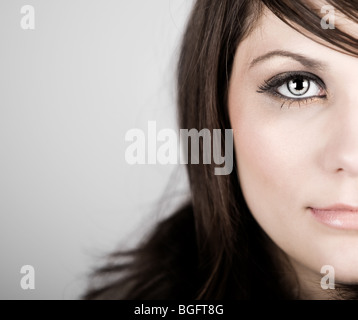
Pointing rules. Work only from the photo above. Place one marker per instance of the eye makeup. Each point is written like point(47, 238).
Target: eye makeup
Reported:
point(294, 87)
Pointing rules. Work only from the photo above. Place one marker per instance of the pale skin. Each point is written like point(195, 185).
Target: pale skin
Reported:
point(295, 155)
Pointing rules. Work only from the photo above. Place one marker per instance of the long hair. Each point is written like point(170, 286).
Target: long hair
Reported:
point(212, 248)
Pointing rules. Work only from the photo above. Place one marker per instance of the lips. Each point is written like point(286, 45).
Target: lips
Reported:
point(339, 216)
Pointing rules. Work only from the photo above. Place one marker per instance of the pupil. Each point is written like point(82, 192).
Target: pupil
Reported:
point(298, 84)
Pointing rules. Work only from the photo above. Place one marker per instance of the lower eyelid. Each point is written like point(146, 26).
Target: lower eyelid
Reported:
point(300, 101)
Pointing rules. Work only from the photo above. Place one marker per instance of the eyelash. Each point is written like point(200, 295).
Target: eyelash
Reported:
point(270, 86)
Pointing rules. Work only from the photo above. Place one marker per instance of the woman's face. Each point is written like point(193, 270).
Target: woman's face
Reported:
point(293, 106)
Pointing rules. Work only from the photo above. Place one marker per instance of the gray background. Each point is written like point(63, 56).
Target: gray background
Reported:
point(70, 90)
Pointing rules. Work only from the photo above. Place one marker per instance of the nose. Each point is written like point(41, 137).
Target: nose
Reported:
point(340, 153)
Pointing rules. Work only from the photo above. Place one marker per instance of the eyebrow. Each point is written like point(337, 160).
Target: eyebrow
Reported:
point(307, 62)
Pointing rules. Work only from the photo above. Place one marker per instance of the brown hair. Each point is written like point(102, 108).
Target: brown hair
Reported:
point(212, 248)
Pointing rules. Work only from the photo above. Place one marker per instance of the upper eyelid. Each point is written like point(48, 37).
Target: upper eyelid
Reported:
point(285, 76)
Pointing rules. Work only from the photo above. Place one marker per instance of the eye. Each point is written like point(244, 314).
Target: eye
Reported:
point(294, 86)
point(299, 87)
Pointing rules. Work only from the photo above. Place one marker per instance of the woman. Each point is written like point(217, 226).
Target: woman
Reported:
point(281, 74)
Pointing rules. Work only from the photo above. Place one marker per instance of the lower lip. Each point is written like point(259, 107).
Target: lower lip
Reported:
point(339, 219)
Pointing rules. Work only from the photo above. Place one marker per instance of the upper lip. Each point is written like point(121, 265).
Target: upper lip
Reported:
point(337, 207)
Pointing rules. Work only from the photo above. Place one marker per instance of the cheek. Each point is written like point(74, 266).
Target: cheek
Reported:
point(264, 158)
point(272, 168)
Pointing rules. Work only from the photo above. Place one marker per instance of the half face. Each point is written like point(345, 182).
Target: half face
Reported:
point(293, 106)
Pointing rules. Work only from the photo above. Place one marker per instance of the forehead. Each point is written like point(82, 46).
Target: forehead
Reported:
point(271, 33)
